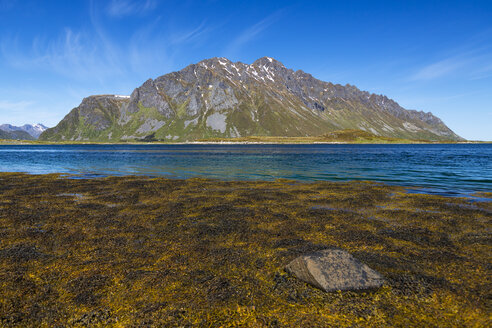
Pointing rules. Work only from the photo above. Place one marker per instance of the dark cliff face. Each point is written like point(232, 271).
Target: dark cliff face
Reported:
point(219, 98)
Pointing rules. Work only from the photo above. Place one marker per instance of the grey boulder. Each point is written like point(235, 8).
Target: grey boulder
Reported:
point(334, 269)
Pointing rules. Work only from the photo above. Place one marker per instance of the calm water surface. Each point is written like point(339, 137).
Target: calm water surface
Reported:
point(443, 169)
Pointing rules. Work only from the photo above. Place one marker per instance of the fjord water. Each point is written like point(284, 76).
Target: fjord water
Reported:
point(451, 169)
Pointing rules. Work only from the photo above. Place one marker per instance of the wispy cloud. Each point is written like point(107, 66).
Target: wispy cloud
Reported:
point(92, 53)
point(440, 68)
point(121, 8)
point(73, 54)
point(149, 51)
point(191, 35)
point(8, 106)
point(251, 33)
point(438, 98)
point(483, 72)
point(22, 112)
point(471, 61)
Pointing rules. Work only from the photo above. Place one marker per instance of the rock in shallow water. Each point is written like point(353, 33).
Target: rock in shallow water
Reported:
point(334, 269)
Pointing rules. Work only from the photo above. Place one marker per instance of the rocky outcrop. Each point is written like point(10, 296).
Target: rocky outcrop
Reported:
point(334, 269)
point(220, 98)
point(94, 116)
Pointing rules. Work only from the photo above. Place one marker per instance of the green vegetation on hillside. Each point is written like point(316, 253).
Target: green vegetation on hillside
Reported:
point(153, 252)
point(342, 136)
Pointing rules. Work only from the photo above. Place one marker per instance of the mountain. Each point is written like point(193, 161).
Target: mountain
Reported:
point(15, 135)
point(33, 130)
point(217, 98)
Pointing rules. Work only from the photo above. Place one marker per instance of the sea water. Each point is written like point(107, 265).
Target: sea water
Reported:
point(450, 169)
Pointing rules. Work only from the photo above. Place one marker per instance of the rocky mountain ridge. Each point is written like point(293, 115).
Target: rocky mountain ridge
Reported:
point(220, 98)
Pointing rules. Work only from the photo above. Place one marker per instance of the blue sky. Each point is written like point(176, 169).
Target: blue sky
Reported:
point(428, 55)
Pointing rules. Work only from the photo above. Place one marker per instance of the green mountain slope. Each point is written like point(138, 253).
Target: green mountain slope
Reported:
point(217, 98)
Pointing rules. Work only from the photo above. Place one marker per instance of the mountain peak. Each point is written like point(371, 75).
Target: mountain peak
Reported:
point(268, 62)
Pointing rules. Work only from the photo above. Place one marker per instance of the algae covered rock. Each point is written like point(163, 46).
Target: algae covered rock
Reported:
point(334, 269)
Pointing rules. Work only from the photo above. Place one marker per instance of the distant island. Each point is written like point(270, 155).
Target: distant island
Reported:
point(217, 99)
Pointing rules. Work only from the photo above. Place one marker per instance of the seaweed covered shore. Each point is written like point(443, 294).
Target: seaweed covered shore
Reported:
point(153, 252)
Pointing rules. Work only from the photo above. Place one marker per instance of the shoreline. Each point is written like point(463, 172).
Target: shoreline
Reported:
point(470, 195)
point(18, 142)
point(252, 141)
point(132, 250)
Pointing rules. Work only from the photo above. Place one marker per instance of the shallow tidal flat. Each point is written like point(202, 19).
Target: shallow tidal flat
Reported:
point(137, 252)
